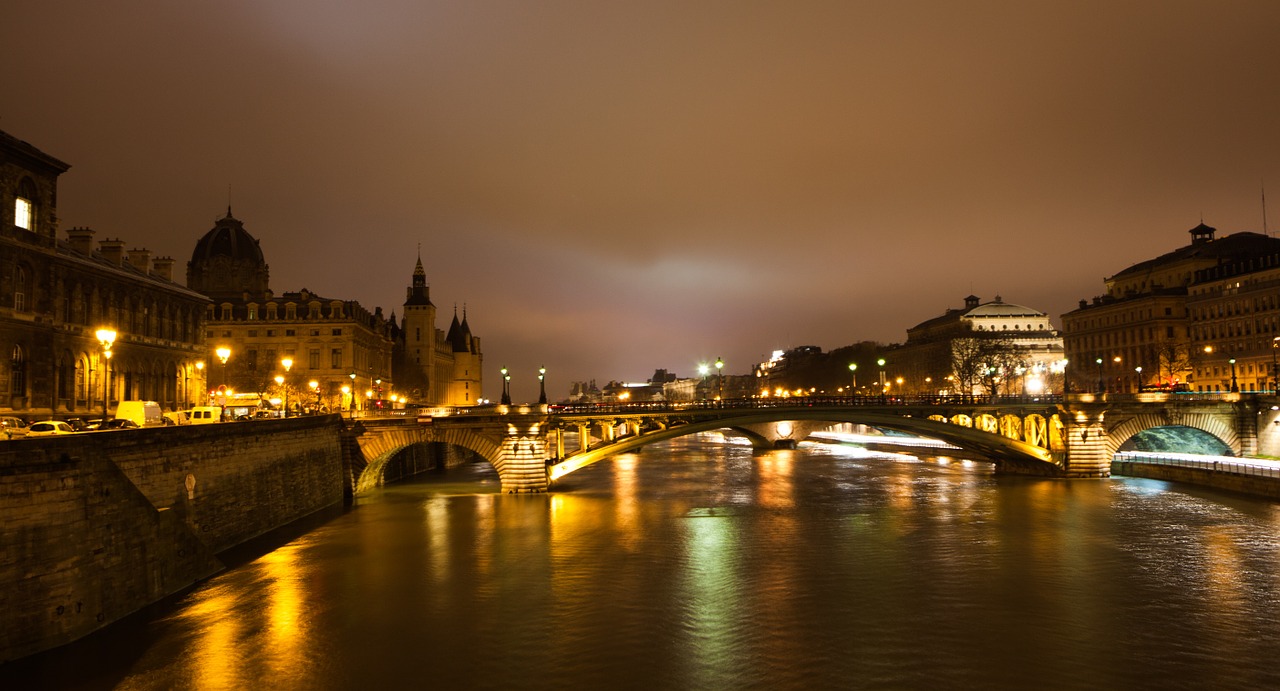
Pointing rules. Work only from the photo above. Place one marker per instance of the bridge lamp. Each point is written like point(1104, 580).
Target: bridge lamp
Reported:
point(880, 363)
point(1099, 361)
point(1139, 371)
point(506, 386)
point(853, 372)
point(353, 394)
point(1235, 388)
point(720, 378)
point(1275, 345)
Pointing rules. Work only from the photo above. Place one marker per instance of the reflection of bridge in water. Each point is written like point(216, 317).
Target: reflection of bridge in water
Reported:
point(1074, 436)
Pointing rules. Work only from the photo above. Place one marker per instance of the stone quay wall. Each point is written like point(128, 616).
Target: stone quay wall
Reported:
point(96, 526)
point(1255, 485)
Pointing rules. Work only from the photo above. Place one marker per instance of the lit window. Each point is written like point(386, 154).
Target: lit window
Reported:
point(22, 213)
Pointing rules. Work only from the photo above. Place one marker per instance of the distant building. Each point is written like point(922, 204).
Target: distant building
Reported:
point(934, 358)
point(54, 296)
point(443, 367)
point(1181, 317)
point(327, 339)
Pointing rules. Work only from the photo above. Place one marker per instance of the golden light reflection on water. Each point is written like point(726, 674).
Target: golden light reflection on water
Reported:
point(214, 654)
point(287, 629)
point(774, 472)
point(436, 527)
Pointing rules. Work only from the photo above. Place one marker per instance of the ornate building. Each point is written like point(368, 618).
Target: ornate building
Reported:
point(1177, 321)
point(443, 367)
point(329, 343)
point(940, 350)
point(56, 295)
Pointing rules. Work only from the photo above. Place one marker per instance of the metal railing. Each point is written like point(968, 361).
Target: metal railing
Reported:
point(1259, 468)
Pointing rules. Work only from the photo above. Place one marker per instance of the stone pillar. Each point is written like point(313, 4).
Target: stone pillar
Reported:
point(1088, 454)
point(559, 443)
point(1247, 428)
point(523, 465)
point(584, 436)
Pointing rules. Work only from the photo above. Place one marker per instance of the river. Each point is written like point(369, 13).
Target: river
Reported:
point(697, 564)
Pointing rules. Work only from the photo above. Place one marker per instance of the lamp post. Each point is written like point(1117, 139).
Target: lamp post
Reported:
point(1139, 371)
point(345, 391)
point(881, 382)
point(542, 385)
point(506, 386)
point(720, 380)
point(280, 383)
point(1099, 361)
point(106, 337)
point(288, 363)
point(703, 371)
point(853, 371)
point(223, 353)
point(353, 395)
point(1275, 345)
point(199, 376)
point(1235, 388)
point(315, 389)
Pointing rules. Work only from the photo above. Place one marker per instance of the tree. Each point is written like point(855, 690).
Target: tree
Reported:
point(992, 363)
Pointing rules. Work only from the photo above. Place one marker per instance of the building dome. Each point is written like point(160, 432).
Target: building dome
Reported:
point(227, 262)
point(999, 308)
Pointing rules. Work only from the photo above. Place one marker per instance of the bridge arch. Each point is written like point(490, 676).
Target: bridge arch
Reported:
point(1002, 450)
point(380, 444)
point(1212, 425)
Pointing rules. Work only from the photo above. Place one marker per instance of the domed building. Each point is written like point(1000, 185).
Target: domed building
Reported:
point(317, 345)
point(986, 347)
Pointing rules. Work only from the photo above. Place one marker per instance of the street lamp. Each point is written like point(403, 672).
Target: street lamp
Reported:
point(1139, 371)
point(280, 383)
point(881, 382)
point(853, 371)
point(506, 386)
point(203, 385)
point(703, 371)
point(1099, 361)
point(1235, 388)
point(288, 363)
point(353, 395)
point(720, 379)
point(345, 391)
point(542, 385)
point(315, 389)
point(106, 337)
point(1275, 385)
point(223, 353)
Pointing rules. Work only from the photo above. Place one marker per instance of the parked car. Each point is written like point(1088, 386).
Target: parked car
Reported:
point(49, 428)
point(78, 424)
point(12, 427)
point(93, 424)
point(119, 423)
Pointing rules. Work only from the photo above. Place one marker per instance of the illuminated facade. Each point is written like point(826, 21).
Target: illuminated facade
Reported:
point(55, 295)
point(1159, 315)
point(326, 340)
point(927, 362)
point(443, 367)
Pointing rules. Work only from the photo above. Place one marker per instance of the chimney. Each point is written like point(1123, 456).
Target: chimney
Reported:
point(112, 250)
point(81, 240)
point(162, 267)
point(140, 259)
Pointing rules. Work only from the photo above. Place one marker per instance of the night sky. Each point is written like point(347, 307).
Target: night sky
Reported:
point(614, 187)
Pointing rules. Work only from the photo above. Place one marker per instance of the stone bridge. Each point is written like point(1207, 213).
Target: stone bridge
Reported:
point(1076, 436)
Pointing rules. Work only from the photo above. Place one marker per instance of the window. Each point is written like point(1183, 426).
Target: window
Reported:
point(335, 358)
point(18, 372)
point(337, 332)
point(20, 289)
point(289, 332)
point(271, 332)
point(24, 208)
point(314, 359)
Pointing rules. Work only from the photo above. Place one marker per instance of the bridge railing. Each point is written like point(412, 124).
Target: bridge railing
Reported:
point(1240, 467)
point(800, 402)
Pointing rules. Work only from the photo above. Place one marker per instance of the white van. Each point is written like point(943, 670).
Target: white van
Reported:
point(205, 415)
point(143, 413)
point(177, 417)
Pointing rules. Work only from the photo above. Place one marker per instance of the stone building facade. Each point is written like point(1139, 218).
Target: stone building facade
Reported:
point(327, 340)
point(1174, 322)
point(56, 294)
point(443, 367)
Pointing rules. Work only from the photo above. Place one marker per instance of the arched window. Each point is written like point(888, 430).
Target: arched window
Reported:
point(24, 205)
point(18, 372)
point(21, 288)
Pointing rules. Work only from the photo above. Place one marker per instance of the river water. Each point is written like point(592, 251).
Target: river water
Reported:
point(698, 565)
